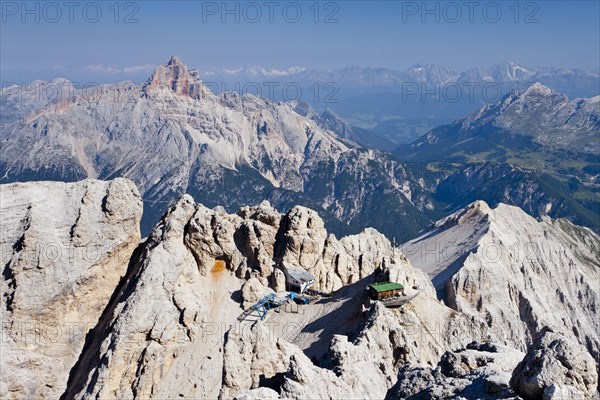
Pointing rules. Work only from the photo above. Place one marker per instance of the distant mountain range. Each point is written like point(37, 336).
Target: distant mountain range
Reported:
point(534, 148)
point(393, 107)
point(387, 107)
point(522, 121)
point(572, 82)
point(172, 136)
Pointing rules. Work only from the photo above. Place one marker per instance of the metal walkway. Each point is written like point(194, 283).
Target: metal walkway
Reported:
point(262, 306)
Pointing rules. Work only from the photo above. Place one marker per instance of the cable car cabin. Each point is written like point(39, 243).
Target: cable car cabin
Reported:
point(297, 279)
point(382, 290)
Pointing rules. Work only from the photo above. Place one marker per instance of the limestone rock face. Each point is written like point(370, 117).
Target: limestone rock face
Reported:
point(479, 371)
point(174, 320)
point(258, 394)
point(176, 78)
point(516, 274)
point(162, 335)
point(278, 280)
point(65, 246)
point(256, 356)
point(304, 235)
point(209, 235)
point(555, 367)
point(335, 263)
point(257, 237)
point(252, 291)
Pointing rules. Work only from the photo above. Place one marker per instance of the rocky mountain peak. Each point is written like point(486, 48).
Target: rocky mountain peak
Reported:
point(537, 89)
point(535, 94)
point(509, 71)
point(175, 77)
point(484, 247)
point(476, 212)
point(175, 61)
point(479, 208)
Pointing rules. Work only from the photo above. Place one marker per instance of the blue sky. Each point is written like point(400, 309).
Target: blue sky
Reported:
point(49, 39)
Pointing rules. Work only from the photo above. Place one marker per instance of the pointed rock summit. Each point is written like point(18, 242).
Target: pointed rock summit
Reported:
point(175, 77)
point(538, 89)
point(175, 61)
point(534, 93)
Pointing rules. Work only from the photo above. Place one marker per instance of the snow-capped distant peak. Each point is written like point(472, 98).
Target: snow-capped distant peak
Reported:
point(254, 71)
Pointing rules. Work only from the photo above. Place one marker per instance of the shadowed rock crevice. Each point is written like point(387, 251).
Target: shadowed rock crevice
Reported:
point(67, 261)
point(91, 355)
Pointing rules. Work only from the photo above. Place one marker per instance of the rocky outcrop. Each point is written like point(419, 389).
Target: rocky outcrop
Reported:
point(479, 371)
point(180, 321)
point(515, 274)
point(335, 263)
point(257, 357)
point(258, 394)
point(173, 329)
point(252, 291)
point(555, 368)
point(64, 249)
point(161, 336)
point(176, 78)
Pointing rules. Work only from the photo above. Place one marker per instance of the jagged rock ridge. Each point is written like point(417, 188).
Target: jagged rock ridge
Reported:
point(171, 327)
point(517, 275)
point(173, 136)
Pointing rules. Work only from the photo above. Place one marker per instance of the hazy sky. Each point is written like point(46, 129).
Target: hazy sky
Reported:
point(54, 37)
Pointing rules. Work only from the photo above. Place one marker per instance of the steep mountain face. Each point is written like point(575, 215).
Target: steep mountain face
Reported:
point(499, 73)
point(64, 249)
point(329, 120)
point(187, 339)
point(539, 193)
point(534, 117)
point(432, 74)
point(535, 149)
point(172, 136)
point(19, 101)
point(175, 324)
point(515, 274)
point(402, 105)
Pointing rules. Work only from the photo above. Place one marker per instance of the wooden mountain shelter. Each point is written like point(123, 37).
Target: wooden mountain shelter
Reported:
point(381, 290)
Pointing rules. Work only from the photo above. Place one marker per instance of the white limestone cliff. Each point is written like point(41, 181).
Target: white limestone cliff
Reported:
point(65, 246)
point(175, 325)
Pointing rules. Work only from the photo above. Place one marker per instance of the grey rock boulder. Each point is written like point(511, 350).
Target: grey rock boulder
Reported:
point(554, 367)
